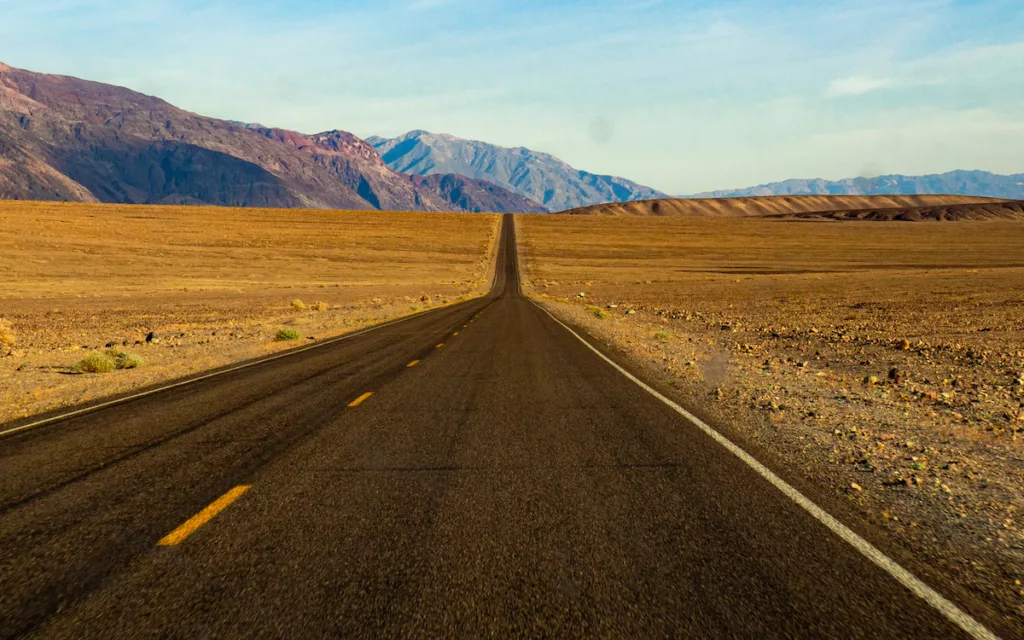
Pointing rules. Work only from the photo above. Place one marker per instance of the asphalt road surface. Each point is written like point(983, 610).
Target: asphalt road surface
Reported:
point(509, 483)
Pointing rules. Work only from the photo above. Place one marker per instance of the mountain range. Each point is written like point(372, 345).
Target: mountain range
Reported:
point(541, 177)
point(63, 138)
point(966, 183)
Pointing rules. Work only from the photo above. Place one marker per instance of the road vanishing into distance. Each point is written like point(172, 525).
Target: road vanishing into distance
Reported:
point(476, 470)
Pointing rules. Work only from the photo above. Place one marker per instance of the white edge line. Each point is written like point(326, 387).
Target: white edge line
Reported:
point(953, 613)
point(323, 343)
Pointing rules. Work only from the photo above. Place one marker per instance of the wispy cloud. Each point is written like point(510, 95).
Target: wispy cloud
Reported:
point(856, 85)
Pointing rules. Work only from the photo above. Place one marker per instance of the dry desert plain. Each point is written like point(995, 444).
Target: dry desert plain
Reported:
point(880, 361)
point(213, 286)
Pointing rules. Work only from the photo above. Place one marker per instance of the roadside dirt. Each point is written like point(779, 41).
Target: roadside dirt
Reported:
point(212, 285)
point(882, 361)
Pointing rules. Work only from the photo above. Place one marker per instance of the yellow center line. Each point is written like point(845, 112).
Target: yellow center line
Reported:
point(439, 346)
point(412, 364)
point(358, 401)
point(201, 518)
point(456, 333)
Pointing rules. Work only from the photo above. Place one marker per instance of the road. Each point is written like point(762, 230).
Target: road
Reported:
point(510, 482)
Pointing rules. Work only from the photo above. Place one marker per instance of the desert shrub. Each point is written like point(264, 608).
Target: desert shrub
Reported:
point(124, 359)
point(414, 308)
point(598, 312)
point(7, 337)
point(96, 363)
point(284, 335)
point(321, 306)
point(662, 335)
point(298, 305)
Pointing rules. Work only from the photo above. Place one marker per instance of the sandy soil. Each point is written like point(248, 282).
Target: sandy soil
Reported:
point(213, 285)
point(771, 205)
point(880, 361)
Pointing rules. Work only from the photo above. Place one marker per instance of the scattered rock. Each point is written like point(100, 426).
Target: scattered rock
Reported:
point(150, 337)
point(856, 487)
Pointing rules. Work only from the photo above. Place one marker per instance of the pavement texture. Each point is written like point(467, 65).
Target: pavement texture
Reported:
point(509, 483)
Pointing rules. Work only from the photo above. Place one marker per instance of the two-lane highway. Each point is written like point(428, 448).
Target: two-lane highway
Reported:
point(474, 471)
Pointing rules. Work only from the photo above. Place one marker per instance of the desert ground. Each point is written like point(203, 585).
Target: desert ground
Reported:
point(208, 286)
point(882, 362)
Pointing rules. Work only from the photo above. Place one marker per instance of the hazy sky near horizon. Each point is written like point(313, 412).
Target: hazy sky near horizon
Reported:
point(683, 96)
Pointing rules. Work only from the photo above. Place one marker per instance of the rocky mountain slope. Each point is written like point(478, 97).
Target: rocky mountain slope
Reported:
point(63, 138)
point(760, 206)
point(968, 183)
point(541, 177)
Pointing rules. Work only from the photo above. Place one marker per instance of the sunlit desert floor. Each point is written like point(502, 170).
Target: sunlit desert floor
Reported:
point(213, 286)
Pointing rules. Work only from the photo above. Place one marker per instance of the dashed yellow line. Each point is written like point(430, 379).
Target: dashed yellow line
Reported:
point(439, 346)
point(412, 364)
point(456, 333)
point(358, 401)
point(201, 518)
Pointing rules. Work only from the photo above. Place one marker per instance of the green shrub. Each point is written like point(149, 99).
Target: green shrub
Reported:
point(124, 359)
point(284, 335)
point(598, 312)
point(662, 335)
point(298, 305)
point(96, 363)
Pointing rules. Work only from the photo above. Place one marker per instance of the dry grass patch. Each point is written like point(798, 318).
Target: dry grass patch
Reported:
point(285, 335)
point(7, 337)
point(107, 361)
point(96, 363)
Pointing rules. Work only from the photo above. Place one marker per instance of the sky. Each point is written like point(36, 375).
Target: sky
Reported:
point(683, 96)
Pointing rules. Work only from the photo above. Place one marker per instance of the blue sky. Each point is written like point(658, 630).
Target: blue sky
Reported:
point(683, 96)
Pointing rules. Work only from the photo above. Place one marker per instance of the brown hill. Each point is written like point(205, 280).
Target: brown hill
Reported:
point(63, 138)
point(772, 205)
point(1007, 210)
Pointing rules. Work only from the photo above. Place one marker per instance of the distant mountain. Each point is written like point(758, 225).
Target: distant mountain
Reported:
point(540, 177)
point(966, 183)
point(62, 138)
